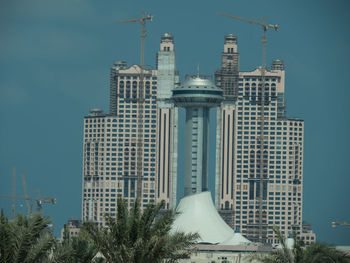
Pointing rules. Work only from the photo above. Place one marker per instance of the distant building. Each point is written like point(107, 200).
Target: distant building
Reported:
point(307, 235)
point(73, 227)
point(238, 156)
point(205, 253)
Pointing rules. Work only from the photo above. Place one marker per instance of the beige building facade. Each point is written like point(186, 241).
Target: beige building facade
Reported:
point(239, 154)
point(110, 147)
point(110, 141)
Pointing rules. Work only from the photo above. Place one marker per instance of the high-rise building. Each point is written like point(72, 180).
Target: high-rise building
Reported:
point(110, 166)
point(110, 140)
point(239, 156)
point(110, 146)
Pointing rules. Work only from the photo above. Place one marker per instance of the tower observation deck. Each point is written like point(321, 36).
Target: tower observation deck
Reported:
point(197, 95)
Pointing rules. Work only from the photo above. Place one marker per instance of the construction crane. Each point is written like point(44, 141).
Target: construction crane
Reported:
point(265, 27)
point(38, 200)
point(13, 196)
point(25, 192)
point(13, 192)
point(140, 101)
point(334, 224)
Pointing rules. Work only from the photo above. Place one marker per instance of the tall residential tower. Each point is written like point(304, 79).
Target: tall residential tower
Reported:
point(239, 154)
point(110, 140)
point(110, 146)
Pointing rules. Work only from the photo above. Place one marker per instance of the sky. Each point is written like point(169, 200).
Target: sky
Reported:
point(55, 58)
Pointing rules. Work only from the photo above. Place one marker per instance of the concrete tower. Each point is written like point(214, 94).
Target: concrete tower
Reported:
point(167, 119)
point(197, 95)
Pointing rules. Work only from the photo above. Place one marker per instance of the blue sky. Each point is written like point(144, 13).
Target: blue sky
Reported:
point(54, 66)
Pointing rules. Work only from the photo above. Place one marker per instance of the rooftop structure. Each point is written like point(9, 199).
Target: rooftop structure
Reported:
point(227, 76)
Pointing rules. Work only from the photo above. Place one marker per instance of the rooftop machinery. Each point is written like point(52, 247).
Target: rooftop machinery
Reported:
point(140, 102)
point(265, 27)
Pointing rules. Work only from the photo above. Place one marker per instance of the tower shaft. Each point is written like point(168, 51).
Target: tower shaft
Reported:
point(196, 153)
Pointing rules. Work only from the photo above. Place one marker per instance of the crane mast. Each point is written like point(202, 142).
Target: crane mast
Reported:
point(140, 102)
point(25, 192)
point(265, 27)
point(39, 200)
point(13, 196)
point(13, 192)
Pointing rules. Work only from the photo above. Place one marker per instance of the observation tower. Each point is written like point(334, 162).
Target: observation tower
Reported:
point(197, 95)
point(197, 212)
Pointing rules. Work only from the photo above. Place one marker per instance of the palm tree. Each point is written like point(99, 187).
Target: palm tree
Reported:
point(323, 253)
point(77, 249)
point(139, 237)
point(314, 253)
point(25, 239)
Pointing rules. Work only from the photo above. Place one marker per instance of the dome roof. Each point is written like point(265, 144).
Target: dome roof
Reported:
point(197, 92)
point(198, 84)
point(167, 37)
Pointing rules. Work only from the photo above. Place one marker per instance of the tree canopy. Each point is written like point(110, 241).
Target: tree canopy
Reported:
point(299, 253)
point(133, 236)
point(140, 236)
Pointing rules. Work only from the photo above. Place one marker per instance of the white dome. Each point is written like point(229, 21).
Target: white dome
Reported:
point(197, 213)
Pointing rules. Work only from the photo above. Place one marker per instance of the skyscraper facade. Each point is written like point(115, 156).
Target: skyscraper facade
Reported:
point(239, 156)
point(110, 146)
point(110, 141)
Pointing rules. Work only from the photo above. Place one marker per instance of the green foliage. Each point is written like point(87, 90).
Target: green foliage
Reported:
point(314, 253)
point(25, 239)
point(136, 236)
point(77, 249)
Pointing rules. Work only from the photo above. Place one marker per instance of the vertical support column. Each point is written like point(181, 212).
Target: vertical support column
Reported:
point(174, 143)
point(205, 147)
point(196, 153)
point(188, 152)
point(218, 156)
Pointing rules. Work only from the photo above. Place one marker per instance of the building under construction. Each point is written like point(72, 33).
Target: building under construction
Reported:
point(258, 176)
point(239, 153)
point(110, 168)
